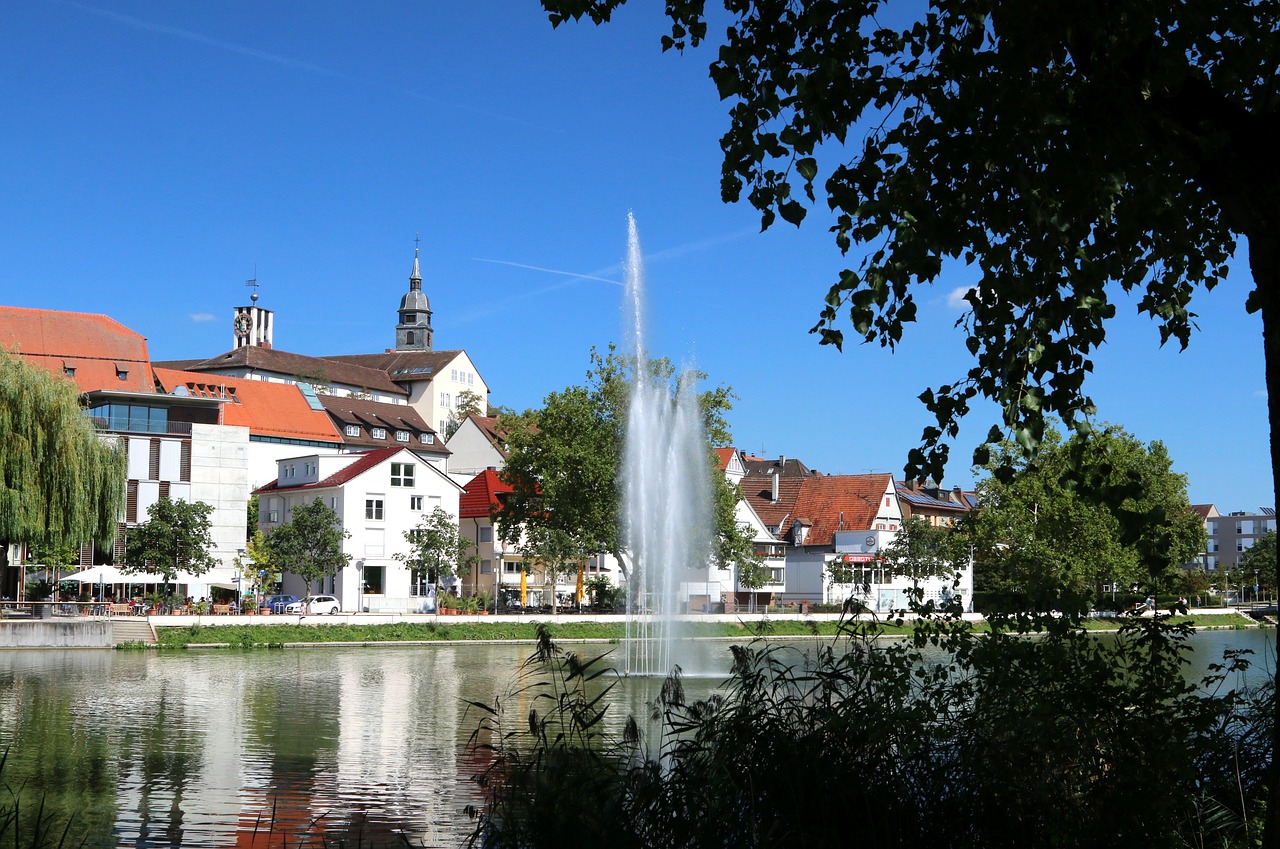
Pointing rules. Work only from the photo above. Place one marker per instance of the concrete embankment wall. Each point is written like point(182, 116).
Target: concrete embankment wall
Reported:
point(55, 634)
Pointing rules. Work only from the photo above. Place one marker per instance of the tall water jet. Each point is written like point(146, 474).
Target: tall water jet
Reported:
point(666, 492)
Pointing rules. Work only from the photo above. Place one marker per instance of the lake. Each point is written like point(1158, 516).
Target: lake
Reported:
point(203, 748)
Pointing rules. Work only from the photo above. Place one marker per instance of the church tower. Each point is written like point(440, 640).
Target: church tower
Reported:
point(413, 333)
point(252, 325)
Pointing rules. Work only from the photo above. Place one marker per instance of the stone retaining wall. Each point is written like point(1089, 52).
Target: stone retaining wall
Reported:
point(55, 634)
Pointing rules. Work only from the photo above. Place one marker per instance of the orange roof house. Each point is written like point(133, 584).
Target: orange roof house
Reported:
point(95, 351)
point(267, 409)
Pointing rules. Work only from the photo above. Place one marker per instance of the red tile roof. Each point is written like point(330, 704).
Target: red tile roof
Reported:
point(723, 456)
point(101, 352)
point(267, 409)
point(480, 495)
point(258, 358)
point(831, 502)
point(367, 461)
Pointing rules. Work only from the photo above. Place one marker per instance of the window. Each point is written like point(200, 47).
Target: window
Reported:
point(373, 509)
point(379, 433)
point(486, 567)
point(512, 567)
point(374, 541)
point(453, 375)
point(122, 373)
point(445, 400)
point(486, 534)
point(427, 438)
point(402, 436)
point(410, 318)
point(273, 516)
point(471, 379)
point(402, 474)
point(1240, 546)
point(375, 580)
point(69, 371)
point(415, 502)
point(353, 430)
point(408, 337)
point(775, 576)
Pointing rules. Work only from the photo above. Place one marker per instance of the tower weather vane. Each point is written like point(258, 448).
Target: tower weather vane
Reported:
point(254, 283)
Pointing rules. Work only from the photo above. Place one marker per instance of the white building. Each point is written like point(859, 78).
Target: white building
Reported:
point(378, 496)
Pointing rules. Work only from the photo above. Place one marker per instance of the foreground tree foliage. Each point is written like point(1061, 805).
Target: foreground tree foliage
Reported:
point(60, 485)
point(1003, 742)
point(1066, 152)
point(564, 460)
point(1093, 510)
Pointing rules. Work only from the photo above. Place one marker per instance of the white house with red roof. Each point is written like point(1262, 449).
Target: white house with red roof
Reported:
point(378, 496)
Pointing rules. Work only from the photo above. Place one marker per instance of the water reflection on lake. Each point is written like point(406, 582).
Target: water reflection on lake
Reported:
point(192, 748)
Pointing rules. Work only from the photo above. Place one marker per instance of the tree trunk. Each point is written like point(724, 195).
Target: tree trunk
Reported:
point(1264, 260)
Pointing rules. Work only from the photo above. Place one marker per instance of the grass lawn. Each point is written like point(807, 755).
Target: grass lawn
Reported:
point(261, 636)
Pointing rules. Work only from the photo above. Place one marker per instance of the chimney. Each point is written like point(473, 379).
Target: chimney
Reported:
point(782, 461)
point(774, 497)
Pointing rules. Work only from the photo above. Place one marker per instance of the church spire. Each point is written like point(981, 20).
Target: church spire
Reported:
point(413, 332)
point(415, 278)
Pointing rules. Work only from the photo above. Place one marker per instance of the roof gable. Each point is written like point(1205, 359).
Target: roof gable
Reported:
point(830, 503)
point(95, 351)
point(480, 495)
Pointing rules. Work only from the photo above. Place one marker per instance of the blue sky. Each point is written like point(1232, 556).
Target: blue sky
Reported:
point(157, 153)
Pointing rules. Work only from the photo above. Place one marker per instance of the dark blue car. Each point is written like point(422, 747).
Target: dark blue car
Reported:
point(277, 603)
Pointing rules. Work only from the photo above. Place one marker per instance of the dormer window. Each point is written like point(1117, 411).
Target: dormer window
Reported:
point(378, 433)
point(353, 430)
point(122, 372)
point(427, 438)
point(402, 436)
point(69, 371)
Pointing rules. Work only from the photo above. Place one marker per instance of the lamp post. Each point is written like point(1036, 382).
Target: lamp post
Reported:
point(239, 580)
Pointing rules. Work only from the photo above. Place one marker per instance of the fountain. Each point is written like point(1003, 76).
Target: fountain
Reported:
point(666, 494)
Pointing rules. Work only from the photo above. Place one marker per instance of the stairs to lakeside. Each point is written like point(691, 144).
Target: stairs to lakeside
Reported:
point(132, 629)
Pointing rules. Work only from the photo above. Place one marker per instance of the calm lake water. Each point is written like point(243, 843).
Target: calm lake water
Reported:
point(203, 748)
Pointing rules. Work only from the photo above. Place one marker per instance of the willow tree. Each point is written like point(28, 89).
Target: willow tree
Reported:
point(60, 482)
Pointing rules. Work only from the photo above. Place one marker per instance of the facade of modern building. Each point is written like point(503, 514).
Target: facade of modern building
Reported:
point(177, 444)
point(1230, 535)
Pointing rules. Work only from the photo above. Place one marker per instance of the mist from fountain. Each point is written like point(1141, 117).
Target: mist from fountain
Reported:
point(666, 493)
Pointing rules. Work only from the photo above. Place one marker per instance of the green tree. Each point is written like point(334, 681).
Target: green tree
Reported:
point(435, 548)
point(1066, 152)
point(310, 544)
point(920, 551)
point(1259, 561)
point(563, 462)
point(1097, 509)
point(61, 484)
point(467, 403)
point(175, 538)
point(556, 553)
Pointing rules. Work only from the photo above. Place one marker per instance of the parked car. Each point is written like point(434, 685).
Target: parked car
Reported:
point(279, 603)
point(314, 604)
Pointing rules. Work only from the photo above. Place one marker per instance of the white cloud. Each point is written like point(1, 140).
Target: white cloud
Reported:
point(203, 316)
point(956, 300)
point(1259, 393)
